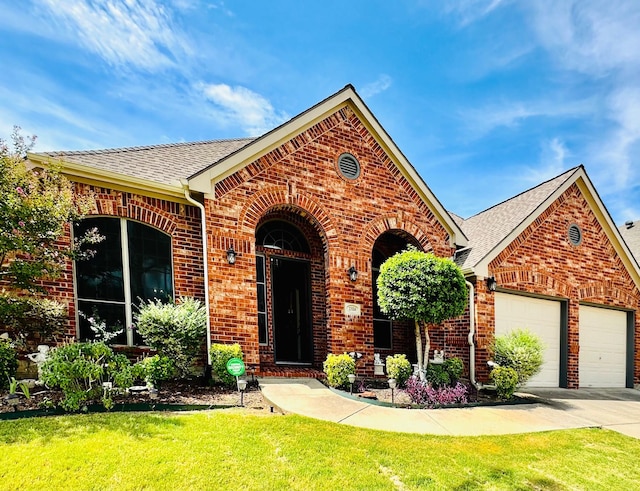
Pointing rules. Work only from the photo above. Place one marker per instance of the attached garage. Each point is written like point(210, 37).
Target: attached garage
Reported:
point(540, 316)
point(603, 347)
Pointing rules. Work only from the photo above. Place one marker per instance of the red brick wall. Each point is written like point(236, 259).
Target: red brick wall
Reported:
point(543, 261)
point(300, 178)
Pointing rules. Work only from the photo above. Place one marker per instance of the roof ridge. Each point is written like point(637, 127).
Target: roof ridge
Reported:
point(138, 148)
point(567, 173)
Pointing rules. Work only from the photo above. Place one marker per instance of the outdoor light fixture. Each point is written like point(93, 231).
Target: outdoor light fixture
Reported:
point(392, 386)
point(352, 379)
point(492, 284)
point(242, 385)
point(231, 256)
point(353, 273)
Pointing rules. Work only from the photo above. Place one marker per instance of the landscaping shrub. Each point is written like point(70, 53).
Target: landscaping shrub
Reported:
point(521, 350)
point(80, 369)
point(30, 315)
point(399, 368)
point(155, 369)
point(424, 394)
point(506, 381)
point(8, 363)
point(220, 355)
point(175, 330)
point(338, 368)
point(444, 374)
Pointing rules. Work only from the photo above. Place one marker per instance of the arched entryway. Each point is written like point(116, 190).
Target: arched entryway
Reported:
point(290, 288)
point(387, 337)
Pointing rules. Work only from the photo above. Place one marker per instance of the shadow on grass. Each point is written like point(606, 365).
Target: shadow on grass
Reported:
point(135, 425)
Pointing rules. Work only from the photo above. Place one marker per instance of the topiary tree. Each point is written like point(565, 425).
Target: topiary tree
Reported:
point(422, 287)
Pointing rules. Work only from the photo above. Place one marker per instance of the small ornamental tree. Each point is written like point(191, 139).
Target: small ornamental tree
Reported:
point(422, 287)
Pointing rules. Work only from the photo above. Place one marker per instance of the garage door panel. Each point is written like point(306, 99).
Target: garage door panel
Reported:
point(603, 347)
point(539, 316)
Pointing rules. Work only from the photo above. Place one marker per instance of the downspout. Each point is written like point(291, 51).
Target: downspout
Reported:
point(205, 258)
point(472, 332)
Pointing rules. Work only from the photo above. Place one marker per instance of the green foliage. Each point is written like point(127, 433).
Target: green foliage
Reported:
point(155, 369)
point(399, 368)
point(80, 369)
point(521, 350)
point(421, 286)
point(175, 330)
point(338, 368)
point(27, 315)
point(444, 374)
point(220, 355)
point(36, 207)
point(8, 362)
point(506, 381)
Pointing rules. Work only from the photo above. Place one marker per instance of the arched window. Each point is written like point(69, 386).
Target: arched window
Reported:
point(133, 263)
point(281, 235)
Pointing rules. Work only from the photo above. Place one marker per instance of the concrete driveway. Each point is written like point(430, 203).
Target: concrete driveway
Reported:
point(557, 409)
point(614, 409)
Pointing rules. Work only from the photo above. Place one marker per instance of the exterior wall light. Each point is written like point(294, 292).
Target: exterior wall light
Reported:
point(492, 284)
point(353, 273)
point(231, 256)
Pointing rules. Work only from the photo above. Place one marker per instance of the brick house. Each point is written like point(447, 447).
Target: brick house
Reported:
point(283, 235)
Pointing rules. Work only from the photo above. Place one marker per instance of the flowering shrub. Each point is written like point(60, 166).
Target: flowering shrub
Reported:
point(338, 368)
point(99, 327)
point(399, 368)
point(424, 394)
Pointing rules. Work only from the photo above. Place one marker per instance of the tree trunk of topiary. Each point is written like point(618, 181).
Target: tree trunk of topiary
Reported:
point(427, 345)
point(421, 365)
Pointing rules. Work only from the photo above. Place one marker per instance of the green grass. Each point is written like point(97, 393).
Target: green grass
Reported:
point(233, 451)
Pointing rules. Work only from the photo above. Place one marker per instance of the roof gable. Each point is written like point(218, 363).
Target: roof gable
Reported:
point(492, 230)
point(204, 181)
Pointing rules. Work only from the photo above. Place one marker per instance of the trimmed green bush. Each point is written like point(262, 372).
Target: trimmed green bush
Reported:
point(220, 355)
point(8, 363)
point(506, 381)
point(399, 368)
point(155, 369)
point(80, 369)
point(521, 350)
point(445, 374)
point(175, 330)
point(338, 368)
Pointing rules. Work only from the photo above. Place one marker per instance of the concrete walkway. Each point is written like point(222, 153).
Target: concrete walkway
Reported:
point(558, 409)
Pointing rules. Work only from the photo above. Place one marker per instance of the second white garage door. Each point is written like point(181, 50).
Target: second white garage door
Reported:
point(603, 347)
point(541, 317)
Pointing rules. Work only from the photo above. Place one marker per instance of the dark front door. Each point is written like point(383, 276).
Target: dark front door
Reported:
point(291, 286)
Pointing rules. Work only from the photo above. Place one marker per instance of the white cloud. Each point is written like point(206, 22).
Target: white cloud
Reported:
point(469, 11)
point(241, 106)
point(553, 156)
point(382, 83)
point(134, 33)
point(509, 114)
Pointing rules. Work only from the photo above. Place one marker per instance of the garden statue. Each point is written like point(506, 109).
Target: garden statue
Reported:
point(39, 357)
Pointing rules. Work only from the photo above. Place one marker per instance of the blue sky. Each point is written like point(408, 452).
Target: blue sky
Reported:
point(485, 98)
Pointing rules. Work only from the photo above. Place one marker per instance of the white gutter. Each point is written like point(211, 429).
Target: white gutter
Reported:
point(205, 258)
point(472, 332)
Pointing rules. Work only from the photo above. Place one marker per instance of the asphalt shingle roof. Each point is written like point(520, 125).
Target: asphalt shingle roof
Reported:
point(488, 228)
point(165, 164)
point(630, 232)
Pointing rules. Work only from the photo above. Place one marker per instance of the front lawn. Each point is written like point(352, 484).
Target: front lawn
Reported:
point(228, 449)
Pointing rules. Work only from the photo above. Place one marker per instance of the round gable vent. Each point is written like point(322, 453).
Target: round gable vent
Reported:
point(349, 166)
point(575, 234)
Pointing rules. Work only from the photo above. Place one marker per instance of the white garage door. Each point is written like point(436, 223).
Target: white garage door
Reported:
point(541, 317)
point(603, 347)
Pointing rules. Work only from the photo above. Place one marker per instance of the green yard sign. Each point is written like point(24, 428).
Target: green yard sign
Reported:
point(235, 367)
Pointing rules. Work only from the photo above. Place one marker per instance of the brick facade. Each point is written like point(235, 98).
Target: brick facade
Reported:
point(298, 181)
point(542, 261)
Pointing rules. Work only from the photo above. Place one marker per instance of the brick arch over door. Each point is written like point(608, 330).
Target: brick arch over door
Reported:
point(542, 282)
point(393, 224)
point(606, 292)
point(279, 197)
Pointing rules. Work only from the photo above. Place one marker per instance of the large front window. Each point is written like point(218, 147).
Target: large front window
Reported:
point(132, 264)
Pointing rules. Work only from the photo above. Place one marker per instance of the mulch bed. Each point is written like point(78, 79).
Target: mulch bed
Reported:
point(179, 394)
